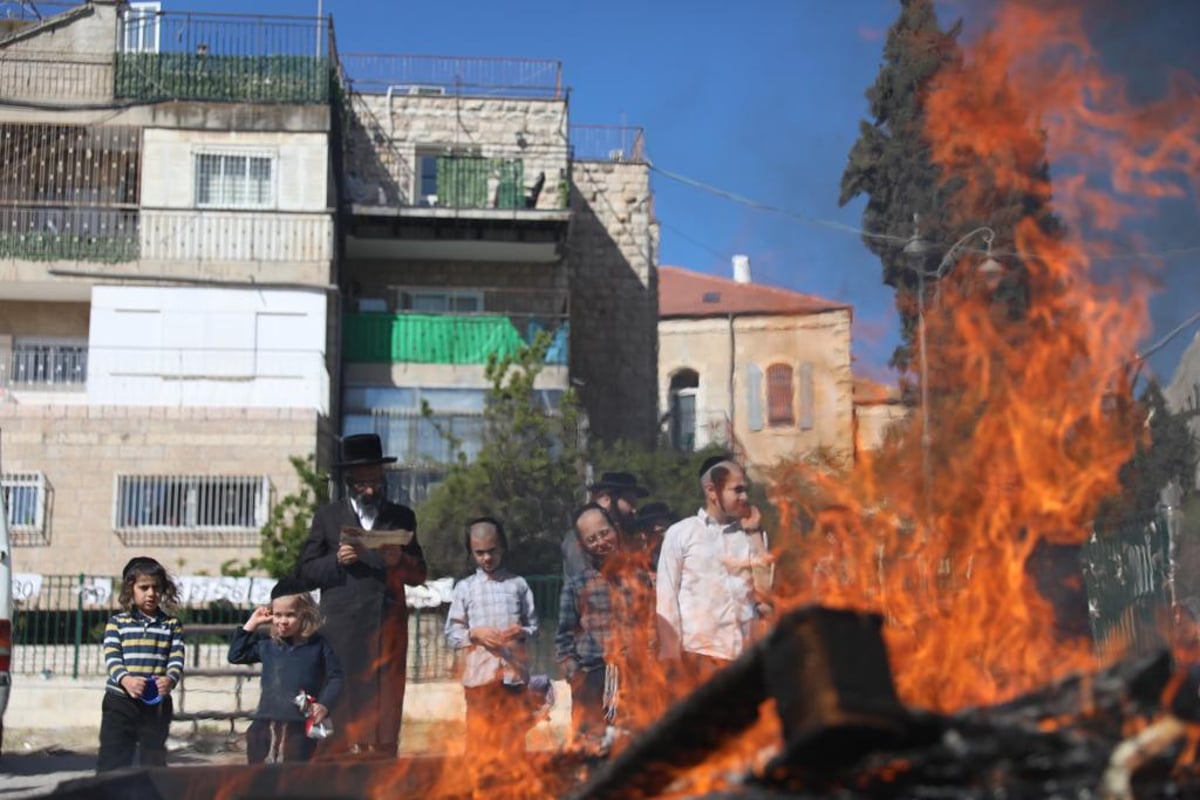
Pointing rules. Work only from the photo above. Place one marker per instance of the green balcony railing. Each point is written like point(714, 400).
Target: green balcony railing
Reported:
point(69, 234)
point(442, 338)
point(477, 182)
point(223, 58)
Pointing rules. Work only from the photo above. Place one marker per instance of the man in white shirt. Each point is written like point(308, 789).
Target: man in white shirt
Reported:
point(713, 574)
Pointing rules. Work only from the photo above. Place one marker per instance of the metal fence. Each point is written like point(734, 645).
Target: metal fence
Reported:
point(59, 630)
point(618, 143)
point(1127, 574)
point(472, 76)
point(222, 57)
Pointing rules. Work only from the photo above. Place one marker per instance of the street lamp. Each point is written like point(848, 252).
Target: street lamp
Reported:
point(991, 270)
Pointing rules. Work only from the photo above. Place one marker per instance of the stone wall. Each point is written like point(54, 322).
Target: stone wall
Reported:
point(386, 134)
point(612, 254)
point(80, 450)
point(66, 58)
point(709, 346)
point(18, 318)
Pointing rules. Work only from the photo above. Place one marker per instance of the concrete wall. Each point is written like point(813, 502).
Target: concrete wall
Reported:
point(386, 135)
point(167, 346)
point(708, 347)
point(612, 253)
point(873, 421)
point(66, 58)
point(80, 450)
point(300, 167)
point(43, 319)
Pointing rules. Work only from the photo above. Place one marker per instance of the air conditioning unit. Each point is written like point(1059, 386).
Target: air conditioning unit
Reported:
point(431, 91)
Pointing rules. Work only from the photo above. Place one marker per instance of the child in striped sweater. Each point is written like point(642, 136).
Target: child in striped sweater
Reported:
point(143, 653)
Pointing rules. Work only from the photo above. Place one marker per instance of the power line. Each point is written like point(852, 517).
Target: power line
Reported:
point(845, 228)
point(688, 237)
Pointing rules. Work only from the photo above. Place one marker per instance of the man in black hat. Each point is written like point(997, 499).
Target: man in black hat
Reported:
point(362, 599)
point(617, 493)
point(649, 526)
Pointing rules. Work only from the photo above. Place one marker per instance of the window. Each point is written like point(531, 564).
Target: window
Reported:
point(234, 181)
point(24, 502)
point(779, 396)
point(440, 301)
point(236, 503)
point(48, 362)
point(684, 386)
point(139, 28)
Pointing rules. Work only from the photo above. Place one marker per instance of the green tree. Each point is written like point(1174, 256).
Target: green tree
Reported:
point(527, 472)
point(893, 164)
point(284, 533)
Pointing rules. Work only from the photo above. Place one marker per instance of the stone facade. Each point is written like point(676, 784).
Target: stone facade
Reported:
point(612, 254)
point(389, 132)
point(720, 350)
point(81, 449)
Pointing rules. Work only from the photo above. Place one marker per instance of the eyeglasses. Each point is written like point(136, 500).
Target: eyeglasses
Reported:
point(362, 486)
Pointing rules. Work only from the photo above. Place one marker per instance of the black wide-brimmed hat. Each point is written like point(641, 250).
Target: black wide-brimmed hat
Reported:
point(619, 483)
point(651, 513)
point(363, 450)
point(287, 586)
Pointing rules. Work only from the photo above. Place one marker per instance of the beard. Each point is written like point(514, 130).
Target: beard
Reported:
point(373, 501)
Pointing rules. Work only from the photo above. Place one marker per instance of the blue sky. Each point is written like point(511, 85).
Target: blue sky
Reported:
point(762, 98)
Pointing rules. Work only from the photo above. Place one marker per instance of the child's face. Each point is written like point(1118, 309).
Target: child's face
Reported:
point(146, 594)
point(285, 614)
point(486, 548)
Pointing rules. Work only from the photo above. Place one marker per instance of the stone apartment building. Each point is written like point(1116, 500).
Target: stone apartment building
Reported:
point(223, 244)
point(764, 368)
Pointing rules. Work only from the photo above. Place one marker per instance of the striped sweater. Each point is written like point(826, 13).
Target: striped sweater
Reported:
point(142, 646)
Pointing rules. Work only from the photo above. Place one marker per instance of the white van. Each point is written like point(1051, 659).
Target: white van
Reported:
point(6, 615)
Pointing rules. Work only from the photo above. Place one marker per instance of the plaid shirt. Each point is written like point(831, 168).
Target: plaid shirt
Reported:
point(602, 615)
point(498, 600)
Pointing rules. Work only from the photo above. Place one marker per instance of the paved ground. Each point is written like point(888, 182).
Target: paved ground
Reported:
point(34, 762)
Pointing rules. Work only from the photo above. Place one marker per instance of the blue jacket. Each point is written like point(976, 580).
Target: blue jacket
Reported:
point(288, 668)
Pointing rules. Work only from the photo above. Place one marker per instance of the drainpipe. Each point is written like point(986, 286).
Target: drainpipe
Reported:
point(732, 376)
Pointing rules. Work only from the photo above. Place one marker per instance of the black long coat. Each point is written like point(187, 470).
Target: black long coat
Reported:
point(366, 622)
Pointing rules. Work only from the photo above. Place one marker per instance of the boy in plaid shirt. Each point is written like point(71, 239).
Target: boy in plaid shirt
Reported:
point(492, 617)
point(605, 622)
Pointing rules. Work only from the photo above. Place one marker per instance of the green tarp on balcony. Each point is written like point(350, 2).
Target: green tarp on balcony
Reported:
point(427, 338)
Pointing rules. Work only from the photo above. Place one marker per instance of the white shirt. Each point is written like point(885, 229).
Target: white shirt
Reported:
point(705, 587)
point(498, 600)
point(366, 514)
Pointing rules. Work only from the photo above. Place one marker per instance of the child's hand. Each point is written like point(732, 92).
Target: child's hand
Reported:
point(261, 616)
point(513, 633)
point(318, 713)
point(164, 685)
point(491, 638)
point(134, 685)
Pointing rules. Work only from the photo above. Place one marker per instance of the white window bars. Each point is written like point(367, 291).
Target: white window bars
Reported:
point(24, 501)
point(190, 503)
point(235, 180)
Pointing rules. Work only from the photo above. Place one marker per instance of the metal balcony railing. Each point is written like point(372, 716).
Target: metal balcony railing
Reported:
point(53, 233)
point(616, 143)
point(222, 57)
point(455, 76)
point(216, 235)
point(45, 366)
point(419, 338)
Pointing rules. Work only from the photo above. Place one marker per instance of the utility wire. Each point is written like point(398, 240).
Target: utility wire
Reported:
point(845, 228)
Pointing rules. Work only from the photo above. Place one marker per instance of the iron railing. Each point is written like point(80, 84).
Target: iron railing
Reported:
point(616, 143)
point(191, 503)
point(216, 235)
point(455, 76)
point(69, 233)
point(1126, 571)
point(25, 500)
point(58, 628)
point(222, 57)
point(419, 338)
point(45, 366)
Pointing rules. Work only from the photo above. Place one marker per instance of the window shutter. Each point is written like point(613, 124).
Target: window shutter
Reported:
point(806, 396)
point(754, 410)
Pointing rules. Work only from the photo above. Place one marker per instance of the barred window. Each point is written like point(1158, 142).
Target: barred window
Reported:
point(191, 502)
point(24, 501)
point(234, 181)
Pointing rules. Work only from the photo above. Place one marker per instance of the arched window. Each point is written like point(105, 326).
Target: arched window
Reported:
point(684, 386)
point(779, 396)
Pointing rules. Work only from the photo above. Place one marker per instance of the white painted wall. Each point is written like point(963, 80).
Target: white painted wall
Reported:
point(169, 157)
point(165, 346)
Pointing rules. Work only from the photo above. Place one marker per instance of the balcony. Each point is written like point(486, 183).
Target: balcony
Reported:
point(44, 367)
point(454, 76)
point(455, 339)
point(621, 144)
point(191, 236)
point(64, 233)
point(166, 56)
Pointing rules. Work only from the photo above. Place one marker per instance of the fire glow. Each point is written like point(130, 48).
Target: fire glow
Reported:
point(1024, 443)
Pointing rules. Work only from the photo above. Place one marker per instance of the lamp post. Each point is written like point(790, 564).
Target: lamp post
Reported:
point(991, 269)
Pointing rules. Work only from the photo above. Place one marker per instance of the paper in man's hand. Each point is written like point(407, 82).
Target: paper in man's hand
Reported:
point(373, 540)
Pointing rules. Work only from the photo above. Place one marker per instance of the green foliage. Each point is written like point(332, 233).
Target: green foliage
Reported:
point(284, 533)
point(1166, 454)
point(527, 473)
point(891, 164)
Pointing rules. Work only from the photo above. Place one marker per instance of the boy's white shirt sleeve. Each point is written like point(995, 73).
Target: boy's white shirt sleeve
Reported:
point(529, 620)
point(457, 630)
point(670, 630)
